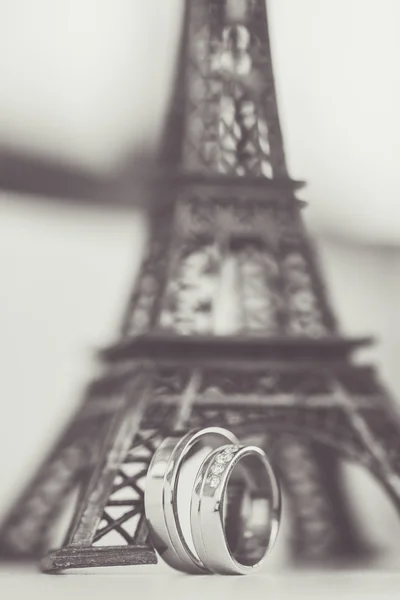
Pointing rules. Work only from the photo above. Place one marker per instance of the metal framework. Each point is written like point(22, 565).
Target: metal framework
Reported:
point(227, 239)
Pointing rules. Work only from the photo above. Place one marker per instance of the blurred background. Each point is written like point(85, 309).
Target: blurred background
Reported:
point(84, 86)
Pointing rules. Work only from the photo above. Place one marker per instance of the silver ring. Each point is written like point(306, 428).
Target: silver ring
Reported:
point(223, 466)
point(162, 489)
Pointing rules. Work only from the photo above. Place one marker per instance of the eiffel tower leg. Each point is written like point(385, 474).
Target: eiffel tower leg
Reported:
point(26, 531)
point(390, 480)
point(378, 433)
point(321, 528)
point(93, 519)
point(350, 542)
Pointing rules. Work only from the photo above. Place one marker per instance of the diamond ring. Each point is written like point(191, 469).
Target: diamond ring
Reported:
point(226, 466)
point(161, 493)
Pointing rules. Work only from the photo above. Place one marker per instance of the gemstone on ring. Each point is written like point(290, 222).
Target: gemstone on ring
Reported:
point(258, 528)
point(220, 459)
point(217, 469)
point(226, 455)
point(214, 481)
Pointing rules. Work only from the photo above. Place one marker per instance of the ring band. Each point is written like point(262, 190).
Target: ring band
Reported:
point(161, 494)
point(208, 509)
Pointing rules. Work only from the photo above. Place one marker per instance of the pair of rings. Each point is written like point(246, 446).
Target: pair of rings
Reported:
point(234, 507)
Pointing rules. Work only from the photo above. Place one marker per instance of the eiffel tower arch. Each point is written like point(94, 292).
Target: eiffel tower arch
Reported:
point(224, 204)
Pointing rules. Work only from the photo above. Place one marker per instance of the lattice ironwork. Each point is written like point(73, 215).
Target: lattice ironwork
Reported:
point(190, 294)
point(123, 520)
point(307, 307)
point(231, 115)
point(144, 305)
point(259, 288)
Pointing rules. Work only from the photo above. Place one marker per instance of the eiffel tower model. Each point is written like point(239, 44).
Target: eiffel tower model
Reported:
point(226, 240)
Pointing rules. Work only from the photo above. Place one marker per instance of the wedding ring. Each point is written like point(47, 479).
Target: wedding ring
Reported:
point(162, 490)
point(222, 467)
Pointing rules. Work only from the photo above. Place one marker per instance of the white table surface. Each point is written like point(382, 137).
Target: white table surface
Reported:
point(162, 583)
